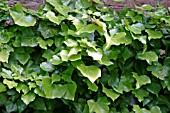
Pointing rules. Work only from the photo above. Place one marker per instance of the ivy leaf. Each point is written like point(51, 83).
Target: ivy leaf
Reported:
point(55, 78)
point(149, 56)
point(154, 88)
point(5, 36)
point(20, 18)
point(101, 106)
point(29, 41)
point(22, 87)
point(4, 55)
point(47, 66)
point(111, 93)
point(145, 7)
point(141, 80)
point(126, 53)
point(97, 55)
point(91, 72)
point(140, 94)
point(9, 83)
point(159, 71)
point(136, 28)
point(38, 104)
point(142, 39)
point(154, 34)
point(137, 109)
point(53, 91)
point(71, 43)
point(46, 30)
point(91, 86)
point(70, 91)
point(83, 4)
point(64, 55)
point(56, 19)
point(59, 7)
point(22, 57)
point(2, 87)
point(29, 97)
point(55, 60)
point(87, 29)
point(155, 109)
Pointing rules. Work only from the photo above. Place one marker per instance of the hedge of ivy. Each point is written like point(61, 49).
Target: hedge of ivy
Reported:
point(75, 57)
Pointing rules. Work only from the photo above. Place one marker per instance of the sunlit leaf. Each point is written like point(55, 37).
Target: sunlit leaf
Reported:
point(47, 66)
point(9, 83)
point(4, 55)
point(141, 80)
point(56, 19)
point(149, 56)
point(154, 34)
point(91, 72)
point(21, 19)
point(27, 98)
point(111, 93)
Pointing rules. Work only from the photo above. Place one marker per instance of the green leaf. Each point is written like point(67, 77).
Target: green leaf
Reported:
point(46, 30)
point(4, 55)
point(154, 88)
point(70, 91)
point(22, 57)
point(141, 80)
point(126, 53)
point(137, 109)
point(29, 97)
point(56, 19)
point(118, 38)
point(136, 28)
point(10, 84)
point(111, 93)
point(155, 109)
point(52, 91)
point(140, 94)
point(5, 36)
point(149, 56)
point(47, 66)
point(91, 86)
point(83, 4)
point(159, 71)
point(55, 78)
point(22, 87)
point(101, 106)
point(2, 87)
point(154, 34)
point(42, 43)
point(55, 60)
point(71, 43)
point(91, 72)
point(59, 7)
point(64, 55)
point(48, 54)
point(145, 7)
point(38, 104)
point(29, 41)
point(20, 18)
point(87, 29)
point(97, 55)
point(142, 39)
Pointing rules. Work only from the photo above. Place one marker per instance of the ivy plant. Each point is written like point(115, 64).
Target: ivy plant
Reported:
point(79, 57)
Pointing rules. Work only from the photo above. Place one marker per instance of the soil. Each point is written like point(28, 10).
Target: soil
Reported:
point(118, 6)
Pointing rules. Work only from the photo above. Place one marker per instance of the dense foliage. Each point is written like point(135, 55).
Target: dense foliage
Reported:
point(81, 58)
